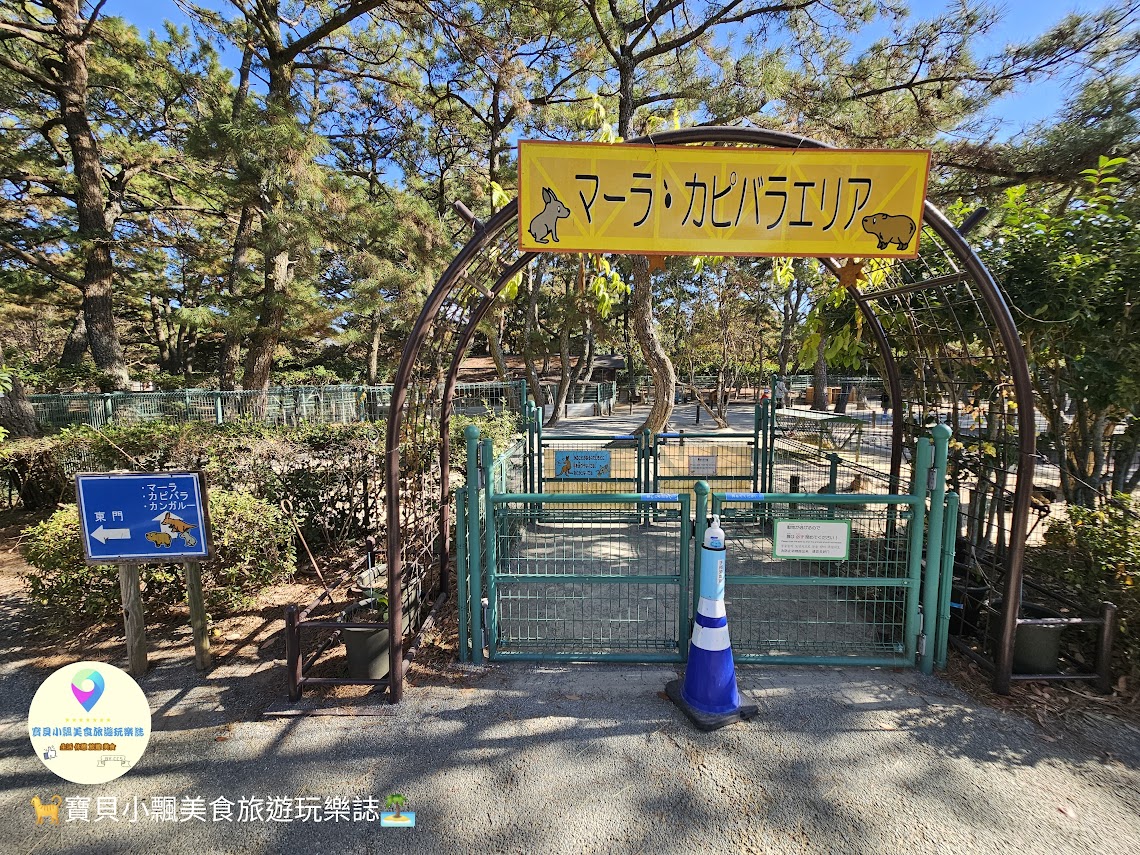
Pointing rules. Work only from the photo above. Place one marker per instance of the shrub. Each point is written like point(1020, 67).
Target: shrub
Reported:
point(253, 548)
point(1095, 554)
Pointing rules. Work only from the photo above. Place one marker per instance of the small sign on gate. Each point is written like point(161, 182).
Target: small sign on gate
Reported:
point(582, 464)
point(702, 465)
point(822, 540)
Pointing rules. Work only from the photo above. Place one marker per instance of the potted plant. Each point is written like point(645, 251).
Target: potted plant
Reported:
point(366, 647)
point(1036, 646)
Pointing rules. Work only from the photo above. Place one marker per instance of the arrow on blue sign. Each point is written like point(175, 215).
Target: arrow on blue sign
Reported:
point(104, 534)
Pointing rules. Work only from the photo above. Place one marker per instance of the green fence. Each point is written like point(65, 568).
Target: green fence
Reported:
point(285, 405)
point(563, 576)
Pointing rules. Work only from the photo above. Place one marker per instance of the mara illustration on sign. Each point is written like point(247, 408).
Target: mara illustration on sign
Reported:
point(696, 200)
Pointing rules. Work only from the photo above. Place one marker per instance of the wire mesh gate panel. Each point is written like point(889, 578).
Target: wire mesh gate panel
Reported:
point(859, 605)
point(861, 609)
point(569, 582)
point(729, 462)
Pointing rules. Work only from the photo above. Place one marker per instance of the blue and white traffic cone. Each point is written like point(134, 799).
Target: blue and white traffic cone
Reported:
point(708, 694)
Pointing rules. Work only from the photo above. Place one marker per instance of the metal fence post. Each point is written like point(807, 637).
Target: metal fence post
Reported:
point(492, 535)
point(949, 544)
point(219, 416)
point(693, 561)
point(474, 542)
point(293, 652)
point(833, 461)
point(760, 441)
point(917, 537)
point(930, 585)
point(461, 571)
point(540, 456)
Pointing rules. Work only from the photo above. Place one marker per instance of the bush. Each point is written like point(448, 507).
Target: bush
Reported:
point(1094, 553)
point(332, 474)
point(501, 428)
point(253, 548)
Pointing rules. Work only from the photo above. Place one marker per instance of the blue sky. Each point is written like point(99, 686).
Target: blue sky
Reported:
point(1023, 19)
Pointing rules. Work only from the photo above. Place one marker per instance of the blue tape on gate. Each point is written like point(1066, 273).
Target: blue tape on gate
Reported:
point(659, 497)
point(670, 435)
point(744, 497)
point(624, 436)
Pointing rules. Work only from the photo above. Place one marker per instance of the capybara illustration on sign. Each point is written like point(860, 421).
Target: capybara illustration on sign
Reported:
point(890, 228)
point(159, 538)
point(546, 223)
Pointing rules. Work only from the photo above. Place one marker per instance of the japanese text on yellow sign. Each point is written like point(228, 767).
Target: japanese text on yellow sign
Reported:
point(696, 200)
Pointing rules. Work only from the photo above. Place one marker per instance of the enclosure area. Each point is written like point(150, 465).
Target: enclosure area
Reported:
point(950, 359)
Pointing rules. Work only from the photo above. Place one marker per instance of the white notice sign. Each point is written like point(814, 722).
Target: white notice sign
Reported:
point(702, 465)
point(823, 540)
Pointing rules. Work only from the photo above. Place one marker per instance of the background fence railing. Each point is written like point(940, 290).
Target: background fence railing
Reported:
point(287, 405)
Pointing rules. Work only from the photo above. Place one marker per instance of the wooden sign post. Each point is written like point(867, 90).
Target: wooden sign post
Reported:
point(198, 623)
point(134, 620)
point(133, 518)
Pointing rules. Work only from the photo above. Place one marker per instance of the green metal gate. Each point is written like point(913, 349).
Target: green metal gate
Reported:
point(560, 576)
point(566, 581)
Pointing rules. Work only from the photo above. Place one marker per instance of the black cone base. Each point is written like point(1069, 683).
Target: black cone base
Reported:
point(708, 721)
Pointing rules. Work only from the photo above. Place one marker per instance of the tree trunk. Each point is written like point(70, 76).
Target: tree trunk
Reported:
point(263, 342)
point(76, 344)
point(819, 376)
point(660, 366)
point(92, 214)
point(161, 334)
point(16, 414)
point(563, 365)
point(530, 329)
point(586, 358)
point(228, 358)
point(641, 303)
point(495, 345)
point(375, 330)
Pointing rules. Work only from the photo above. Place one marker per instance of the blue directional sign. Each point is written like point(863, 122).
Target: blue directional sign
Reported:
point(143, 516)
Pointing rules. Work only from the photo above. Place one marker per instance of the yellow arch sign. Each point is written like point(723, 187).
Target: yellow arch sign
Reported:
point(701, 200)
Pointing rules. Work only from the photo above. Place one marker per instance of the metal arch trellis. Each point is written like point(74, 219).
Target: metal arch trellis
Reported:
point(913, 318)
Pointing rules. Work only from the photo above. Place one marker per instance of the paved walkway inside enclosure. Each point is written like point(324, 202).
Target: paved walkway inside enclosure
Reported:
point(572, 759)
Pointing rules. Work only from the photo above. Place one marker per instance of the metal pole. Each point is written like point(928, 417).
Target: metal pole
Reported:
point(931, 582)
point(914, 551)
point(492, 534)
point(946, 577)
point(760, 430)
point(474, 542)
point(683, 628)
point(461, 571)
point(702, 516)
point(293, 652)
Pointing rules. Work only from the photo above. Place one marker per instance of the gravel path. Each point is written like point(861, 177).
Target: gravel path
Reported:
point(553, 759)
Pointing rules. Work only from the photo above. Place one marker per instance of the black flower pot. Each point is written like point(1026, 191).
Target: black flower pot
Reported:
point(367, 652)
point(1036, 647)
point(367, 648)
